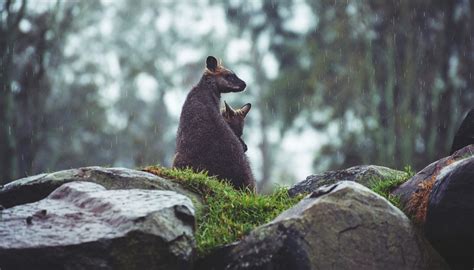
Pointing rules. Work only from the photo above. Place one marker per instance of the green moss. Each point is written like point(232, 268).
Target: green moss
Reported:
point(384, 186)
point(228, 214)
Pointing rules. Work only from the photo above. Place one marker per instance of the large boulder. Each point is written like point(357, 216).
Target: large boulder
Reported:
point(363, 174)
point(81, 225)
point(415, 192)
point(450, 215)
point(343, 226)
point(37, 187)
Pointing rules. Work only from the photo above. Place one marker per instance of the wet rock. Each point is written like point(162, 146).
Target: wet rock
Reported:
point(81, 225)
point(450, 215)
point(362, 174)
point(465, 134)
point(35, 188)
point(350, 227)
point(413, 193)
point(217, 259)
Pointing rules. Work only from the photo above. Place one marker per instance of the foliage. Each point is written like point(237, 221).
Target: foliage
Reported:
point(387, 87)
point(367, 74)
point(69, 86)
point(28, 55)
point(229, 213)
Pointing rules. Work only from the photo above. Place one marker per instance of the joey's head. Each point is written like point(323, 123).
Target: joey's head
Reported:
point(235, 118)
point(225, 79)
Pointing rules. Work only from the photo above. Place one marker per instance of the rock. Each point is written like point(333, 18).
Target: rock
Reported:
point(217, 259)
point(362, 174)
point(81, 225)
point(465, 134)
point(450, 215)
point(35, 188)
point(414, 193)
point(345, 227)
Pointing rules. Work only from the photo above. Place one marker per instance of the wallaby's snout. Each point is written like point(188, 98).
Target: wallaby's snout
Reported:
point(239, 84)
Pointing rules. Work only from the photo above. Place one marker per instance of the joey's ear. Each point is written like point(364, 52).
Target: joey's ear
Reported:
point(211, 63)
point(245, 109)
point(228, 109)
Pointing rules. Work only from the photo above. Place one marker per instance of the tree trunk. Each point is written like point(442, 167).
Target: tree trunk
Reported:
point(9, 21)
point(6, 135)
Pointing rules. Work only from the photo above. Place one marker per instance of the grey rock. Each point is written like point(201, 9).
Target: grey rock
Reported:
point(81, 225)
point(362, 174)
point(350, 227)
point(217, 259)
point(450, 215)
point(35, 188)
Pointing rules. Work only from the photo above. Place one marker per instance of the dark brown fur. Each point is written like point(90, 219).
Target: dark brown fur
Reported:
point(204, 140)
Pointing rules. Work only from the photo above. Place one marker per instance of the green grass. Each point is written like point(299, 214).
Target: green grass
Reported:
point(384, 186)
point(228, 214)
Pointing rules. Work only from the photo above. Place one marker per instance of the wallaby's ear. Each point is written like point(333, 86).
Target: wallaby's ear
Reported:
point(211, 63)
point(228, 109)
point(245, 109)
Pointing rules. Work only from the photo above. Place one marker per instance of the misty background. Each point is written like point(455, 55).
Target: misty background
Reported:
point(332, 83)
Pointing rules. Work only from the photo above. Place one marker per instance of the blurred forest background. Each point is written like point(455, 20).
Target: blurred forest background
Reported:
point(332, 83)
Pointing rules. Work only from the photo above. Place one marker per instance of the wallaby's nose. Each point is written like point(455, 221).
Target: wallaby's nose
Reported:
point(243, 85)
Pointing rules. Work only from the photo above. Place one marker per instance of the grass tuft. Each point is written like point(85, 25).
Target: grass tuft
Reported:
point(384, 186)
point(229, 214)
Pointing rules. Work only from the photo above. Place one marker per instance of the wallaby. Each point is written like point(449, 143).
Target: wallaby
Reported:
point(236, 119)
point(204, 140)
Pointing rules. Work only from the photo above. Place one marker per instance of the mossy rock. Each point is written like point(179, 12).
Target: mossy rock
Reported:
point(228, 214)
point(343, 226)
point(363, 174)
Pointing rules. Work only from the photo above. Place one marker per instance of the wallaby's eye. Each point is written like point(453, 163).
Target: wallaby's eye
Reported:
point(228, 76)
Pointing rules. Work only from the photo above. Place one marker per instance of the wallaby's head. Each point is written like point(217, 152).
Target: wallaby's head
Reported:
point(235, 118)
point(225, 79)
